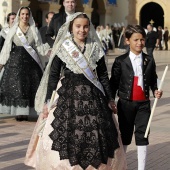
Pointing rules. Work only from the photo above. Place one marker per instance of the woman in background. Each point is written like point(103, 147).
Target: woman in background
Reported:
point(21, 67)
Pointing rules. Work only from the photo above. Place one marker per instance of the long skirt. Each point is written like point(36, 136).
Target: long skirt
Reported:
point(19, 82)
point(79, 133)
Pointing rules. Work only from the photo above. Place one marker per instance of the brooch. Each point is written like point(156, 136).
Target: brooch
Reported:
point(75, 54)
point(145, 61)
point(19, 34)
point(67, 43)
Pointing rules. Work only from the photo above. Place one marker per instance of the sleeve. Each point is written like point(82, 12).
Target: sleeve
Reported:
point(103, 77)
point(2, 40)
point(154, 77)
point(50, 32)
point(54, 76)
point(115, 77)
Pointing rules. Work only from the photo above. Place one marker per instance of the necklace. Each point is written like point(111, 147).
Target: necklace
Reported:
point(24, 29)
point(82, 47)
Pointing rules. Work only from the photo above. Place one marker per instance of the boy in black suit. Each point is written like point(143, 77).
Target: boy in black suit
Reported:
point(132, 75)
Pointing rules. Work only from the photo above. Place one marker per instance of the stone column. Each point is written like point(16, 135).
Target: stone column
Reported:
point(88, 10)
point(55, 7)
point(24, 3)
point(108, 14)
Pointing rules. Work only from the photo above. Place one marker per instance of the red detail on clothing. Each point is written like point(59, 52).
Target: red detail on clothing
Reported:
point(137, 92)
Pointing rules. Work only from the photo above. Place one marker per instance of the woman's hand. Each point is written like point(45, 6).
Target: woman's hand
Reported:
point(49, 53)
point(45, 111)
point(158, 94)
point(112, 106)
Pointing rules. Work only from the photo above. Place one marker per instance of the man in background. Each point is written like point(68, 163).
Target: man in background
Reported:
point(43, 30)
point(166, 36)
point(152, 40)
point(59, 19)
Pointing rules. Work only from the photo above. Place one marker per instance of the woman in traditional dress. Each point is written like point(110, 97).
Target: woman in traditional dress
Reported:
point(21, 67)
point(79, 132)
point(10, 19)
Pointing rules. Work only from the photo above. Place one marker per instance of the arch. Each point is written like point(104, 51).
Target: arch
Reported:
point(152, 11)
point(140, 5)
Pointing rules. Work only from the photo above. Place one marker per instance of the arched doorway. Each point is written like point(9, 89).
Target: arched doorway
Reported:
point(152, 11)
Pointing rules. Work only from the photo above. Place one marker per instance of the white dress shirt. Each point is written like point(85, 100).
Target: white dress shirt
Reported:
point(137, 61)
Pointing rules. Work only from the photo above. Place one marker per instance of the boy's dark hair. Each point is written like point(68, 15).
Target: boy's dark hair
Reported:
point(8, 16)
point(46, 16)
point(131, 29)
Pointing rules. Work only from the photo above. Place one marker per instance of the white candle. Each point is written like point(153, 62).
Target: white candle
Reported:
point(163, 77)
point(155, 102)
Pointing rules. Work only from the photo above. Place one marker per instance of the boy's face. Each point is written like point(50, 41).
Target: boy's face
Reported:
point(136, 43)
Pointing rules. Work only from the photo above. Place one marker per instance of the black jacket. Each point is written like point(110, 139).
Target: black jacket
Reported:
point(151, 38)
point(122, 76)
point(55, 71)
point(57, 21)
point(43, 31)
point(2, 40)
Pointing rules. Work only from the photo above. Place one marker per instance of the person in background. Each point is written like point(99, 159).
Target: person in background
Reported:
point(152, 40)
point(59, 19)
point(166, 37)
point(132, 75)
point(160, 36)
point(43, 29)
point(10, 19)
point(21, 66)
point(98, 32)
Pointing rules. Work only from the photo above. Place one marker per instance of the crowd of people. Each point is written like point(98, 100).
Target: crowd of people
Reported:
point(59, 73)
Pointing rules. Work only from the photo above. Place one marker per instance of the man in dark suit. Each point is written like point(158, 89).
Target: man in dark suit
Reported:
point(152, 40)
point(59, 19)
point(132, 75)
point(166, 37)
point(43, 30)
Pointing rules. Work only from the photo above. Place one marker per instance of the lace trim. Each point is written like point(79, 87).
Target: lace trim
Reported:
point(92, 54)
point(15, 103)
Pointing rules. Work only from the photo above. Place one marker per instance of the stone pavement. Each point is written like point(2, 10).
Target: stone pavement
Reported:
point(14, 136)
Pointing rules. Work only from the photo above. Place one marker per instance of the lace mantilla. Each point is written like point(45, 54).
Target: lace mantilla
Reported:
point(92, 57)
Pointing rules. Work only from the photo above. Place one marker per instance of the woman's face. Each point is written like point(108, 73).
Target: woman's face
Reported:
point(24, 16)
point(80, 28)
point(11, 19)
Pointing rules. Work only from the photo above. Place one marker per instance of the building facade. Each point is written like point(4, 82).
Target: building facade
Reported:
point(101, 12)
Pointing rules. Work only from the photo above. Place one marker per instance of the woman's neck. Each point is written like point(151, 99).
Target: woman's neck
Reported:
point(23, 25)
point(79, 42)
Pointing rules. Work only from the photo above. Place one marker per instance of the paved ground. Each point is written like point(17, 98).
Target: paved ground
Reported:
point(14, 136)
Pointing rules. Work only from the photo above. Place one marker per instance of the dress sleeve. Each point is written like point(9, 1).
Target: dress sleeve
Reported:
point(103, 77)
point(54, 76)
point(154, 77)
point(1, 42)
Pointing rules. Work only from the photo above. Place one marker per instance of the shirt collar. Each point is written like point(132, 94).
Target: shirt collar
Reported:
point(133, 56)
point(69, 13)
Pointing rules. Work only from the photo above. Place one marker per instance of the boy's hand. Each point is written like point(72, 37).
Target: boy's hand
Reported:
point(158, 94)
point(112, 106)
